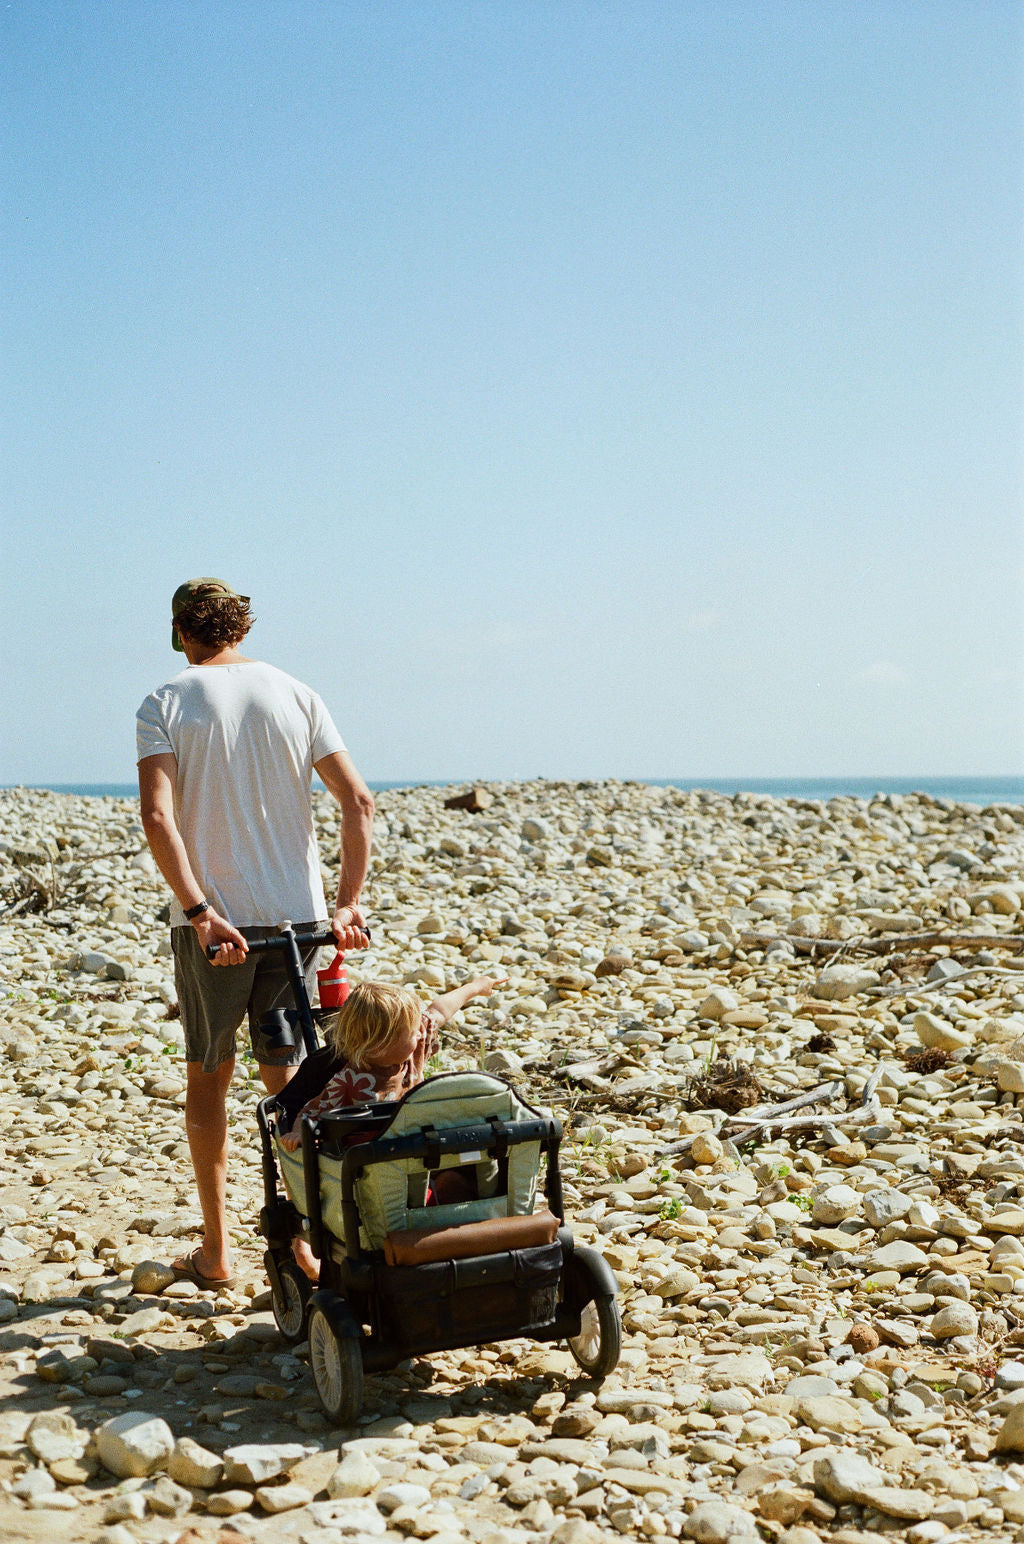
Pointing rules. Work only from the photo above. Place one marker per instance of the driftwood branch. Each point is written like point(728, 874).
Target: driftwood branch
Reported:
point(791, 1122)
point(751, 1124)
point(759, 1118)
point(598, 1068)
point(900, 989)
point(886, 945)
point(823, 1094)
point(868, 1091)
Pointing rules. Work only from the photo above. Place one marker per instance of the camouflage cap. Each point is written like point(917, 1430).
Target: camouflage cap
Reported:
point(198, 589)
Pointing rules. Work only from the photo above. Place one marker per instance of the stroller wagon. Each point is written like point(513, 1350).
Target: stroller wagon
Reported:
point(415, 1258)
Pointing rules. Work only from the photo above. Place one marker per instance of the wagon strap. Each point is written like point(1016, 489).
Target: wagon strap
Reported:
point(500, 1130)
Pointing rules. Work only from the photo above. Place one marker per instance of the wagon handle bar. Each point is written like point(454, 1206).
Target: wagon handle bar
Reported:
point(289, 941)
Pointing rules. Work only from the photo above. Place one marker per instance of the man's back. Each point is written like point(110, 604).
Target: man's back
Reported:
point(245, 737)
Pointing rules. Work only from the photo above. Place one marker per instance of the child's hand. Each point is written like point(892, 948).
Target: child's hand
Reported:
point(482, 986)
point(427, 1040)
point(291, 1142)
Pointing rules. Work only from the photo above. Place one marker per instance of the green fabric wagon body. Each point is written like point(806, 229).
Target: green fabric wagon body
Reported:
point(390, 1196)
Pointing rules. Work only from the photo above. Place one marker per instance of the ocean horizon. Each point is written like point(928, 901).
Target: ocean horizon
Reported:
point(982, 791)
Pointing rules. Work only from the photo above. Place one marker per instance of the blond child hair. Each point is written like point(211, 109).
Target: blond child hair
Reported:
point(373, 1016)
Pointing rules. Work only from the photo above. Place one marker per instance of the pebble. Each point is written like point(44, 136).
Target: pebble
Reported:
point(283, 1498)
point(193, 1465)
point(151, 1276)
point(1010, 1438)
point(831, 1298)
point(838, 982)
point(356, 1475)
point(835, 1204)
point(226, 1503)
point(955, 1319)
point(134, 1444)
point(937, 1035)
point(252, 1463)
point(717, 1522)
point(52, 1436)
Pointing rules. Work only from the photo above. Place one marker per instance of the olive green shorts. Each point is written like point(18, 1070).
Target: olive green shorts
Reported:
point(214, 999)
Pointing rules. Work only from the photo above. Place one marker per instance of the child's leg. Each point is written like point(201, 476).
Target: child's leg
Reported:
point(449, 1186)
point(305, 1259)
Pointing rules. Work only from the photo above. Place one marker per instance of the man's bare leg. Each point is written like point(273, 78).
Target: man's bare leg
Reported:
point(206, 1125)
point(275, 1078)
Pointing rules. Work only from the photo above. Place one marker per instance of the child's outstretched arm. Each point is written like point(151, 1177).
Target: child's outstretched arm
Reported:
point(445, 1007)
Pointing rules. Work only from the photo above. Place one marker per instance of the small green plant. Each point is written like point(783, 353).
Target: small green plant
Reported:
point(433, 1066)
point(804, 1202)
point(668, 1211)
point(780, 1170)
point(663, 1175)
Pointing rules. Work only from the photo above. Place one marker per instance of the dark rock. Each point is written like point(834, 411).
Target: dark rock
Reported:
point(613, 965)
point(475, 800)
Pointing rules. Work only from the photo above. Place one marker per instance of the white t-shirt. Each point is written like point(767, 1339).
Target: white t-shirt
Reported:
point(245, 738)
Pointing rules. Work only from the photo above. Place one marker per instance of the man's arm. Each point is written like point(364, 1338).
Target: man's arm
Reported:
point(157, 776)
point(343, 782)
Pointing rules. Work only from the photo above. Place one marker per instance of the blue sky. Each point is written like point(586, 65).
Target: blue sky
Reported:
point(578, 389)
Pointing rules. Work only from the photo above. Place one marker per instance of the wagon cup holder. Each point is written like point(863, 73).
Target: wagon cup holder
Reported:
point(277, 1036)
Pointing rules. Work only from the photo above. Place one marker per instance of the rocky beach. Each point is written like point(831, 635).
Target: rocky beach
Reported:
point(786, 1039)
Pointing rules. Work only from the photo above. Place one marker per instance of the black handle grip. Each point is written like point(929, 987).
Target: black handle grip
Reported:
point(303, 940)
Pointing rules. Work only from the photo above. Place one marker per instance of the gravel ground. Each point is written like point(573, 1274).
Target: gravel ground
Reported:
point(786, 1040)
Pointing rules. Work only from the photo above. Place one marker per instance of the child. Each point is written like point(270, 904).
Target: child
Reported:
point(376, 1049)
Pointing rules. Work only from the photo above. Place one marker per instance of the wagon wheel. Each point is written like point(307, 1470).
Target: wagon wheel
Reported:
point(337, 1363)
point(289, 1305)
point(598, 1345)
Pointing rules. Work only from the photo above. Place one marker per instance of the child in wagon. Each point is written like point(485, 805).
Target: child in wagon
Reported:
point(376, 1049)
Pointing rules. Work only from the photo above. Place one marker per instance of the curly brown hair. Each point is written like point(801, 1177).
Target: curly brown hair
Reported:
point(217, 622)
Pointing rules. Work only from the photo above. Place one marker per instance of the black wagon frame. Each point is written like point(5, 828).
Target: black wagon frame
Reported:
point(366, 1316)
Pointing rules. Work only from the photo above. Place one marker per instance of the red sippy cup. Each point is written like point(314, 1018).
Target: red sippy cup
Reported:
point(333, 982)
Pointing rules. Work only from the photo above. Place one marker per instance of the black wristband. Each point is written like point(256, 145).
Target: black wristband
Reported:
point(196, 911)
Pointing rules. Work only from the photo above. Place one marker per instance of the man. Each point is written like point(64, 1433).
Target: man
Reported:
point(226, 750)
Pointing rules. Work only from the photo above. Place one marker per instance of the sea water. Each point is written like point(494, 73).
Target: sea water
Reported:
point(962, 790)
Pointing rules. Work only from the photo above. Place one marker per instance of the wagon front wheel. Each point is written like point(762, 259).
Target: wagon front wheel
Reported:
point(337, 1364)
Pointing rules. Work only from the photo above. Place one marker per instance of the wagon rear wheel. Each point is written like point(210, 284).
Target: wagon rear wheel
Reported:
point(598, 1345)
